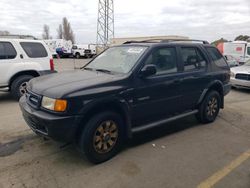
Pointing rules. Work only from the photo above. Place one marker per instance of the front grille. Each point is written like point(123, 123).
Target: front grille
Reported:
point(87, 51)
point(33, 99)
point(243, 76)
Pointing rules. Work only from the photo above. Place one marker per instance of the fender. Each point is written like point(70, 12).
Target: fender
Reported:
point(114, 103)
point(24, 72)
point(214, 84)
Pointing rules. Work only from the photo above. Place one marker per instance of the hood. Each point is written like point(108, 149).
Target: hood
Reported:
point(60, 84)
point(245, 69)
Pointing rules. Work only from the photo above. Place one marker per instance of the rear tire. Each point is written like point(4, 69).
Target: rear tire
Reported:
point(18, 86)
point(209, 108)
point(102, 137)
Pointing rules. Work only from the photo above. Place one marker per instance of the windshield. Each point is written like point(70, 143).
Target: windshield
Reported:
point(117, 59)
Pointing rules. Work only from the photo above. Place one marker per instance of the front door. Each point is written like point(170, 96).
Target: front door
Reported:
point(157, 96)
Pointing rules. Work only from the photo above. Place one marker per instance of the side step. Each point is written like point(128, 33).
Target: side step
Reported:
point(163, 121)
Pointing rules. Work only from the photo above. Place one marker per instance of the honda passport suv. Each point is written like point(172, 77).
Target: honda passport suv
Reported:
point(125, 90)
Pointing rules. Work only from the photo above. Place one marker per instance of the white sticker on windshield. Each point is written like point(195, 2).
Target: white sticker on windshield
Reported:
point(135, 50)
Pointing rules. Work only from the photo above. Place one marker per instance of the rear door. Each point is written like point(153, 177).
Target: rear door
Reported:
point(36, 52)
point(195, 76)
point(157, 96)
point(9, 58)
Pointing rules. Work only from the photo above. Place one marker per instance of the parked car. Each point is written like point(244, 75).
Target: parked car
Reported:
point(125, 90)
point(232, 62)
point(240, 76)
point(87, 51)
point(20, 61)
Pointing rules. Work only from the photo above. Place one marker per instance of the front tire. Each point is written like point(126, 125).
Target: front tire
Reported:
point(78, 56)
point(209, 108)
point(18, 86)
point(102, 137)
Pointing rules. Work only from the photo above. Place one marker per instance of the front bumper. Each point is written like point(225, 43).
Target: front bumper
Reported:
point(59, 128)
point(240, 83)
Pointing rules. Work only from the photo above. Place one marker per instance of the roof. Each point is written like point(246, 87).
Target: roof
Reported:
point(19, 40)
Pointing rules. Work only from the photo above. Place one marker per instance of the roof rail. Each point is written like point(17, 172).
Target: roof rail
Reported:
point(144, 41)
point(185, 40)
point(166, 41)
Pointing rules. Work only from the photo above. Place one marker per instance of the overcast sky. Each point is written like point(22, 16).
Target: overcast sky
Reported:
point(203, 19)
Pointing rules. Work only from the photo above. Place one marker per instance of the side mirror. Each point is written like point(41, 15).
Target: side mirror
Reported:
point(148, 70)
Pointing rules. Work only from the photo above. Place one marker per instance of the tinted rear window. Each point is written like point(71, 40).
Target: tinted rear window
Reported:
point(217, 57)
point(34, 49)
point(7, 51)
point(193, 59)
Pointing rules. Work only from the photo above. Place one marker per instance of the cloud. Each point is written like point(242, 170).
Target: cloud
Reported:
point(204, 19)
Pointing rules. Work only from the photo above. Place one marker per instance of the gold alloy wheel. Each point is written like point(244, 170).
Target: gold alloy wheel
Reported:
point(212, 106)
point(105, 136)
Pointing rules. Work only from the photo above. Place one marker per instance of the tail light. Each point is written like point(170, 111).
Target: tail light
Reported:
point(51, 62)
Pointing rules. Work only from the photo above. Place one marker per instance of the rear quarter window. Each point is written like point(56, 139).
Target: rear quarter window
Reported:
point(248, 50)
point(34, 49)
point(7, 51)
point(217, 57)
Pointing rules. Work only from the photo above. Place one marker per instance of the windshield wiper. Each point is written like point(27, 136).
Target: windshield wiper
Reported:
point(88, 68)
point(104, 70)
point(98, 70)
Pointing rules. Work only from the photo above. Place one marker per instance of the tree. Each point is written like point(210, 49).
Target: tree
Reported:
point(60, 32)
point(46, 34)
point(215, 43)
point(68, 33)
point(242, 38)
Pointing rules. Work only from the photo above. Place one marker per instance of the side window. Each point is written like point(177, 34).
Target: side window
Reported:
point(164, 59)
point(34, 49)
point(7, 51)
point(217, 57)
point(193, 59)
point(248, 50)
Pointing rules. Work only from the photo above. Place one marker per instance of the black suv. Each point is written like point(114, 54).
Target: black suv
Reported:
point(127, 89)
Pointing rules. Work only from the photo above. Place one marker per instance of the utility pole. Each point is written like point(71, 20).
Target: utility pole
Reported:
point(105, 23)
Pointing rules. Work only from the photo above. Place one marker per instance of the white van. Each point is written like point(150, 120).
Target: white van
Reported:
point(54, 44)
point(240, 50)
point(84, 50)
point(20, 61)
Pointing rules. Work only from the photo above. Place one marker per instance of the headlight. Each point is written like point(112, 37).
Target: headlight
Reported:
point(57, 105)
point(232, 74)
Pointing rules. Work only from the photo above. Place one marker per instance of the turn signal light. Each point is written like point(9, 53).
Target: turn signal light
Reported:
point(60, 105)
